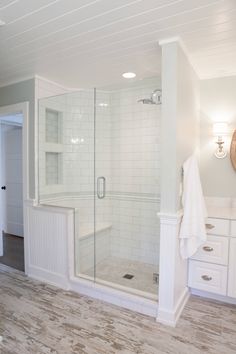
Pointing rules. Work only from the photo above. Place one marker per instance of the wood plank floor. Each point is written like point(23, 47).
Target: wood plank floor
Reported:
point(38, 318)
point(13, 251)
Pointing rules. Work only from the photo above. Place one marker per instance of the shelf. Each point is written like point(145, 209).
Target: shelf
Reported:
point(53, 126)
point(53, 168)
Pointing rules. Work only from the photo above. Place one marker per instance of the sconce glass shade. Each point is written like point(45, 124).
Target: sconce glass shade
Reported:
point(220, 153)
point(220, 129)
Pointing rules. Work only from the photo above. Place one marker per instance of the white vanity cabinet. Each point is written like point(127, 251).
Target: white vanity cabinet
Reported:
point(232, 269)
point(213, 268)
point(233, 228)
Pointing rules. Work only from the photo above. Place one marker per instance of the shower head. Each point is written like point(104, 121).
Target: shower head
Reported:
point(146, 101)
point(154, 99)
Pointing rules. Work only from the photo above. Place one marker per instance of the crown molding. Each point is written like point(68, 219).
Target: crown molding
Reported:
point(182, 45)
point(13, 82)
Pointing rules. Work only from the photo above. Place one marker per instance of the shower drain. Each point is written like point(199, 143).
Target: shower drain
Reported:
point(155, 278)
point(128, 276)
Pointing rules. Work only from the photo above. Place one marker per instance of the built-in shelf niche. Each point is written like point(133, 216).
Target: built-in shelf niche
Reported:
point(53, 126)
point(53, 168)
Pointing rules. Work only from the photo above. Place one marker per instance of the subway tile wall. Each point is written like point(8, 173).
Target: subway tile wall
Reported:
point(135, 162)
point(135, 142)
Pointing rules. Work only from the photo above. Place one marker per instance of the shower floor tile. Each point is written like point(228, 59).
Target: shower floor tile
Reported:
point(114, 269)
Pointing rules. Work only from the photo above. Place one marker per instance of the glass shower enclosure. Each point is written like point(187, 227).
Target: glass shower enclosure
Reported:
point(99, 154)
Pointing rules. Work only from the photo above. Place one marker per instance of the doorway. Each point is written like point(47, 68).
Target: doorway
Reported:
point(12, 186)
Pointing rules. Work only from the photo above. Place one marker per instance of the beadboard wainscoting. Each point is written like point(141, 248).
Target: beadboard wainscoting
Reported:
point(46, 245)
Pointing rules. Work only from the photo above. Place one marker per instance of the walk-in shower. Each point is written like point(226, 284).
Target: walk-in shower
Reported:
point(99, 154)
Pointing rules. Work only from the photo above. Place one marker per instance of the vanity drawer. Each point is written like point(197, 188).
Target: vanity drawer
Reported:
point(217, 226)
point(233, 228)
point(214, 250)
point(207, 277)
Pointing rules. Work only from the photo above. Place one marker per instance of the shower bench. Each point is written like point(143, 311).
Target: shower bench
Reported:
point(90, 244)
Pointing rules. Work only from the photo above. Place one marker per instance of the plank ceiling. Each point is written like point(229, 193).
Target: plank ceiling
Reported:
point(82, 43)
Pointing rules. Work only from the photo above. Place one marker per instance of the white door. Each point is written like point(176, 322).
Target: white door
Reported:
point(2, 202)
point(11, 180)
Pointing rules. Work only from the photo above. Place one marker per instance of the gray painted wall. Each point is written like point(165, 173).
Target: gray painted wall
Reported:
point(180, 120)
point(23, 92)
point(218, 102)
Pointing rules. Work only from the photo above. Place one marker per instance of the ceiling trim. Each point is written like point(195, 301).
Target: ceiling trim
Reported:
point(13, 82)
point(51, 82)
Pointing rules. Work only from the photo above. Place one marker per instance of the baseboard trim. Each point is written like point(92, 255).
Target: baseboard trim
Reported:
point(170, 318)
point(207, 295)
point(48, 277)
point(114, 296)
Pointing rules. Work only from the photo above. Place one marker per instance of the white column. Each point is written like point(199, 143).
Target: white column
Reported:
point(180, 109)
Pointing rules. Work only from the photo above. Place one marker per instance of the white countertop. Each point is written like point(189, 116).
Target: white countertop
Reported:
point(221, 212)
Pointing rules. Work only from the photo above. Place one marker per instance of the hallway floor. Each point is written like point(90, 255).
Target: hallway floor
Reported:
point(13, 251)
point(38, 318)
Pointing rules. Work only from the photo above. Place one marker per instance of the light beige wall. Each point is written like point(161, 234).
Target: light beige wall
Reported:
point(218, 102)
point(168, 162)
point(188, 107)
point(180, 119)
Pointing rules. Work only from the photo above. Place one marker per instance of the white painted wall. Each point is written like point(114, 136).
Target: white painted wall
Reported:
point(218, 103)
point(180, 111)
point(180, 117)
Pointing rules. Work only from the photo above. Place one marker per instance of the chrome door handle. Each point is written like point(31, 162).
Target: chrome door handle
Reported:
point(208, 249)
point(101, 187)
point(206, 278)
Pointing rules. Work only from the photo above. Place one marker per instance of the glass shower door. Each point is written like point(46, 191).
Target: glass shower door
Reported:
point(127, 189)
point(84, 148)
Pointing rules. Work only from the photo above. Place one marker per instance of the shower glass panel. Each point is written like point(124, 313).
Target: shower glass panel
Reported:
point(99, 154)
point(66, 167)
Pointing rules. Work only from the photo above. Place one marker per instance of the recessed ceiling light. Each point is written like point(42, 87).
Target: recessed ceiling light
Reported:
point(129, 75)
point(2, 23)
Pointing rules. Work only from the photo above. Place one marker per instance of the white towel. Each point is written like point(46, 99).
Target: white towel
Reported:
point(192, 229)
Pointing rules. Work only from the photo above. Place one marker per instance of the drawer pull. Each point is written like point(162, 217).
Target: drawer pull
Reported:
point(206, 278)
point(209, 226)
point(208, 249)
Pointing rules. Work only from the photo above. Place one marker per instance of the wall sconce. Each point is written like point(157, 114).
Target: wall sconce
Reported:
point(220, 130)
